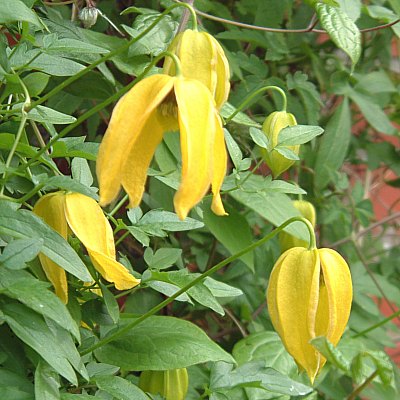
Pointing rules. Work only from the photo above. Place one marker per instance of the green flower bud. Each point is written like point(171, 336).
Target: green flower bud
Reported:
point(307, 210)
point(88, 16)
point(272, 127)
point(172, 384)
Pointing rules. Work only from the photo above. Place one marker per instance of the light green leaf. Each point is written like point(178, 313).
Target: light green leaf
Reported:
point(120, 388)
point(342, 30)
point(163, 258)
point(69, 184)
point(240, 118)
point(259, 137)
point(351, 7)
point(48, 115)
point(52, 43)
point(333, 355)
point(47, 382)
point(287, 153)
point(233, 149)
point(333, 145)
point(81, 171)
point(162, 343)
point(20, 251)
point(221, 289)
point(16, 10)
point(110, 302)
point(298, 134)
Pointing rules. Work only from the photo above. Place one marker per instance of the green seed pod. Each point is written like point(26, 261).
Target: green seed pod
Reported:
point(172, 384)
point(286, 240)
point(272, 126)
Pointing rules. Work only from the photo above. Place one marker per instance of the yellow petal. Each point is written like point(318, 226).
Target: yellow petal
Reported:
point(223, 76)
point(88, 223)
point(339, 292)
point(137, 162)
point(197, 131)
point(51, 209)
point(219, 168)
point(112, 271)
point(297, 301)
point(127, 121)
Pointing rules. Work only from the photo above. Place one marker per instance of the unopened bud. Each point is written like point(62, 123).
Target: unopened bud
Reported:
point(88, 16)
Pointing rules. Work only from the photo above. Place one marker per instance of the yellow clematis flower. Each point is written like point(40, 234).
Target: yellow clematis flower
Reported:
point(84, 217)
point(272, 127)
point(202, 58)
point(307, 210)
point(155, 105)
point(309, 295)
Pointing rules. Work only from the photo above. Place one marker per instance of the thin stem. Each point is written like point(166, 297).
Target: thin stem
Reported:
point(353, 395)
point(185, 17)
point(251, 96)
point(109, 55)
point(379, 324)
point(176, 61)
point(200, 278)
point(118, 206)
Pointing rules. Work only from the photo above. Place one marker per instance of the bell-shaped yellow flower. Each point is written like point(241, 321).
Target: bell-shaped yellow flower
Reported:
point(155, 105)
point(307, 210)
point(171, 384)
point(202, 58)
point(309, 295)
point(272, 127)
point(84, 217)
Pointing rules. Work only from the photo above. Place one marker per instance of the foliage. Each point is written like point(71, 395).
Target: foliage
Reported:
point(59, 81)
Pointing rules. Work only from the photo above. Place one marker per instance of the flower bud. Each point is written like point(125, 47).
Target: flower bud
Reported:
point(272, 127)
point(171, 384)
point(286, 240)
point(202, 58)
point(88, 16)
point(309, 295)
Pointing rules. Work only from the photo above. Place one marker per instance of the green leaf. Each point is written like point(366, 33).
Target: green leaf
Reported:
point(52, 43)
point(22, 286)
point(110, 302)
point(342, 30)
point(32, 329)
point(257, 345)
point(162, 343)
point(351, 7)
point(221, 289)
point(298, 134)
point(167, 289)
point(48, 115)
point(373, 113)
point(233, 149)
point(333, 355)
point(279, 186)
point(232, 230)
point(47, 382)
point(120, 388)
point(255, 374)
point(13, 386)
point(274, 207)
point(69, 184)
point(240, 118)
point(162, 258)
point(81, 171)
point(36, 82)
point(333, 146)
point(287, 153)
point(259, 137)
point(16, 10)
point(23, 224)
point(75, 147)
point(20, 251)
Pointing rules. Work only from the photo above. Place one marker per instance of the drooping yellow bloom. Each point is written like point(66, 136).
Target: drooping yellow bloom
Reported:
point(309, 295)
point(84, 217)
point(307, 210)
point(202, 58)
point(272, 127)
point(155, 105)
point(171, 384)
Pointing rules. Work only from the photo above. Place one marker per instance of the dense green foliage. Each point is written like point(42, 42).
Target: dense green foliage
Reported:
point(59, 82)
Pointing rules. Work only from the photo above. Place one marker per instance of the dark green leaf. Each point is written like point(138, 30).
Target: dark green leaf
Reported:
point(161, 343)
point(110, 302)
point(47, 382)
point(69, 184)
point(162, 258)
point(20, 251)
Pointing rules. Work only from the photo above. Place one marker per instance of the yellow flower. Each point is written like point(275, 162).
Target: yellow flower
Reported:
point(286, 240)
point(171, 384)
point(155, 105)
point(272, 127)
point(202, 58)
point(84, 217)
point(309, 295)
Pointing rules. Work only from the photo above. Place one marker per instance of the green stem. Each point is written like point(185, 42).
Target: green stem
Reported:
point(251, 96)
point(176, 61)
point(109, 55)
point(381, 323)
point(209, 272)
point(118, 206)
point(24, 117)
point(92, 111)
point(353, 395)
